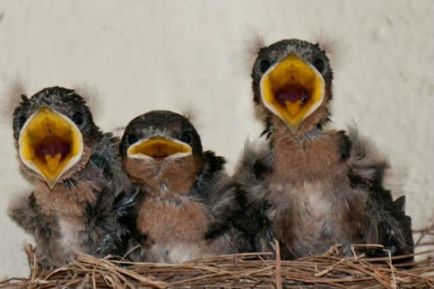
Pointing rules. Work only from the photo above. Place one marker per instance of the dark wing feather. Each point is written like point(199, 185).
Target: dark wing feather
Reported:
point(106, 157)
point(218, 192)
point(104, 229)
point(392, 227)
point(251, 217)
point(45, 229)
point(27, 214)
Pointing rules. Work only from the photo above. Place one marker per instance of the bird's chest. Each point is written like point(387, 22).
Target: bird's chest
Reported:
point(68, 206)
point(311, 217)
point(304, 216)
point(315, 204)
point(304, 181)
point(309, 161)
point(174, 231)
point(308, 203)
point(71, 230)
point(63, 201)
point(172, 222)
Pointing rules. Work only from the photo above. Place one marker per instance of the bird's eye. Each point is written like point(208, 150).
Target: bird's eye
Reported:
point(319, 64)
point(77, 117)
point(186, 137)
point(264, 65)
point(21, 121)
point(132, 138)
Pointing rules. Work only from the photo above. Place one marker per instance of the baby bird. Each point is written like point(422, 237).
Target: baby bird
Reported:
point(76, 173)
point(185, 200)
point(312, 188)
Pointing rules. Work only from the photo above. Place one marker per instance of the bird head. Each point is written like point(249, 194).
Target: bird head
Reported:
point(160, 137)
point(53, 129)
point(292, 80)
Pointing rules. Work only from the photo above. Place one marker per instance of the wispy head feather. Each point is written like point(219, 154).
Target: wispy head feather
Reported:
point(91, 96)
point(192, 113)
point(253, 43)
point(335, 48)
point(11, 97)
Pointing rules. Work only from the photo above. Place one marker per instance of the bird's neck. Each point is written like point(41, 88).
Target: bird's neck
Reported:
point(166, 178)
point(311, 127)
point(304, 158)
point(64, 199)
point(77, 188)
point(306, 133)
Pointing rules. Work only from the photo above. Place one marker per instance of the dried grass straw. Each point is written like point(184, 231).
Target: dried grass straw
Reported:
point(249, 270)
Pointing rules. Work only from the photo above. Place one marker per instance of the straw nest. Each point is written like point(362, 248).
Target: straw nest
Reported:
point(249, 270)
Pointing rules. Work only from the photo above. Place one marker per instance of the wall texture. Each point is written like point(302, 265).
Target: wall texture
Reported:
point(134, 56)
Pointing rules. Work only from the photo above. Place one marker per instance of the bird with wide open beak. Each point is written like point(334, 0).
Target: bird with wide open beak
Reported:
point(292, 89)
point(312, 187)
point(50, 144)
point(76, 173)
point(185, 203)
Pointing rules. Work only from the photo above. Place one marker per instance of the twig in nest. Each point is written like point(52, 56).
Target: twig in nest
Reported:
point(278, 266)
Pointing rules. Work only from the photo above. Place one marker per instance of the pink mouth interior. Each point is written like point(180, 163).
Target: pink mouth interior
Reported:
point(292, 93)
point(53, 146)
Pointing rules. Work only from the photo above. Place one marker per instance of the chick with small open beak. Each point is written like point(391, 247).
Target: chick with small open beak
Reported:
point(76, 173)
point(311, 187)
point(185, 202)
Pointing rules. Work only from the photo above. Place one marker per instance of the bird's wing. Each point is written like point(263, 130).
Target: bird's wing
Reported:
point(214, 188)
point(26, 213)
point(251, 194)
point(388, 225)
point(209, 178)
point(217, 190)
point(105, 157)
point(106, 213)
point(120, 225)
point(45, 229)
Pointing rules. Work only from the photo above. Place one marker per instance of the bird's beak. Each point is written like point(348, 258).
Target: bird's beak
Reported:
point(292, 89)
point(50, 144)
point(159, 147)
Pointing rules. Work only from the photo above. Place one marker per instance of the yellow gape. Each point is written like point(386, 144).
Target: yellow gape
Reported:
point(292, 89)
point(159, 147)
point(50, 144)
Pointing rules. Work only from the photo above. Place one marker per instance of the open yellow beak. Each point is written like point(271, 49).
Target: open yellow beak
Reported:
point(292, 89)
point(50, 144)
point(158, 147)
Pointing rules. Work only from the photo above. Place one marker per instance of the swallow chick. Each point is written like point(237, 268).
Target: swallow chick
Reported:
point(311, 187)
point(76, 173)
point(185, 200)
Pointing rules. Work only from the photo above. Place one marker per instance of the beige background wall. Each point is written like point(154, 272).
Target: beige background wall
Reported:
point(133, 56)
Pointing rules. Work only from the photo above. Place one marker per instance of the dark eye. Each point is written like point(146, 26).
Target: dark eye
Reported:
point(264, 65)
point(132, 138)
point(186, 136)
point(319, 64)
point(77, 117)
point(21, 121)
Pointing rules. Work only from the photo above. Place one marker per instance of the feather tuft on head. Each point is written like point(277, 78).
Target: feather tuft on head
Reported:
point(91, 97)
point(192, 114)
point(12, 96)
point(336, 50)
point(253, 43)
